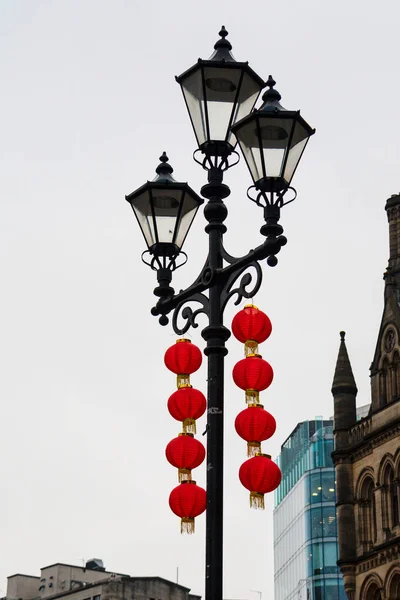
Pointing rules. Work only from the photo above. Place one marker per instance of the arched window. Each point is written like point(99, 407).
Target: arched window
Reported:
point(373, 592)
point(367, 514)
point(384, 383)
point(390, 499)
point(393, 591)
point(396, 377)
point(394, 494)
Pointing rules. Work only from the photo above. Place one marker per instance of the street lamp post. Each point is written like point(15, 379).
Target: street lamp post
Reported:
point(220, 94)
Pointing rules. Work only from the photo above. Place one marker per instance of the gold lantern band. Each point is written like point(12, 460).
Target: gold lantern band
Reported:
point(250, 348)
point(183, 380)
point(184, 475)
point(252, 397)
point(189, 426)
point(253, 448)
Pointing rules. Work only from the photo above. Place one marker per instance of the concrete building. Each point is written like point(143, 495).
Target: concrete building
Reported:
point(92, 582)
point(367, 453)
point(305, 534)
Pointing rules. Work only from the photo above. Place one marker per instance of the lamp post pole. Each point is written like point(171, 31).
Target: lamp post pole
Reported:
point(165, 210)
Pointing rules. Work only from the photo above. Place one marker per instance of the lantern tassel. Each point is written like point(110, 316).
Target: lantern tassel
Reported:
point(187, 525)
point(257, 500)
point(253, 448)
point(189, 426)
point(184, 475)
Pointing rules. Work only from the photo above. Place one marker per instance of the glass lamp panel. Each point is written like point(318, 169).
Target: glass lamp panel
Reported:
point(188, 213)
point(274, 137)
point(248, 95)
point(192, 88)
point(249, 144)
point(221, 87)
point(166, 205)
point(142, 209)
point(298, 143)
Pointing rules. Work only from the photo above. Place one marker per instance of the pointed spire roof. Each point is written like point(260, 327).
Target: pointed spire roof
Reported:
point(343, 380)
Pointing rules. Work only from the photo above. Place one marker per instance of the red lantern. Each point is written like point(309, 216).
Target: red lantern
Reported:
point(253, 374)
point(259, 475)
point(187, 404)
point(255, 425)
point(183, 358)
point(251, 326)
point(185, 453)
point(187, 501)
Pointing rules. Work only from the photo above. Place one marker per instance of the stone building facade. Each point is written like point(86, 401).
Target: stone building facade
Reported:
point(92, 582)
point(367, 452)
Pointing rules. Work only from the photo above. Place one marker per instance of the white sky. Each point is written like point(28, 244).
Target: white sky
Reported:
point(88, 104)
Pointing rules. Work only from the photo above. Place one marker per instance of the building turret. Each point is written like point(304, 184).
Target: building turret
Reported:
point(344, 391)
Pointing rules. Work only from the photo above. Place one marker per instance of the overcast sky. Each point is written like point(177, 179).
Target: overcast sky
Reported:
point(88, 103)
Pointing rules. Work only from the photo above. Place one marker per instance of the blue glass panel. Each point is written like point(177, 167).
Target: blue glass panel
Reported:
point(315, 487)
point(328, 486)
point(332, 589)
point(330, 557)
point(317, 559)
point(314, 523)
point(318, 590)
point(329, 521)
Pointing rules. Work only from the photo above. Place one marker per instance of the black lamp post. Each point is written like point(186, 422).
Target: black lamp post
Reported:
point(219, 93)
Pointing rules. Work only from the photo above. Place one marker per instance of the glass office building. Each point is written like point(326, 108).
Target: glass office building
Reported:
point(305, 534)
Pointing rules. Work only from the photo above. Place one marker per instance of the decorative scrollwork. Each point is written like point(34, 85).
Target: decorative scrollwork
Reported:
point(164, 262)
point(246, 281)
point(216, 160)
point(188, 314)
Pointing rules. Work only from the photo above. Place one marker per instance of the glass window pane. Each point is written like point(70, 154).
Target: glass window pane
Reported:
point(188, 213)
point(332, 589)
point(275, 135)
point(248, 95)
point(248, 140)
point(166, 205)
point(329, 521)
point(318, 558)
point(297, 145)
point(330, 557)
point(193, 91)
point(328, 486)
point(221, 87)
point(316, 522)
point(318, 590)
point(142, 209)
point(315, 487)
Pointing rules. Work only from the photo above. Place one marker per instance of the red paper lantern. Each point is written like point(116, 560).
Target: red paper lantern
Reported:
point(255, 425)
point(259, 475)
point(187, 501)
point(253, 373)
point(183, 358)
point(251, 326)
point(185, 453)
point(187, 404)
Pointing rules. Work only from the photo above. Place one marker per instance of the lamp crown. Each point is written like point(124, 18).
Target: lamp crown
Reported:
point(222, 48)
point(223, 43)
point(271, 95)
point(164, 168)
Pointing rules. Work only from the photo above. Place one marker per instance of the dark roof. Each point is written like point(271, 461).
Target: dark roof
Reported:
point(84, 569)
point(23, 575)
